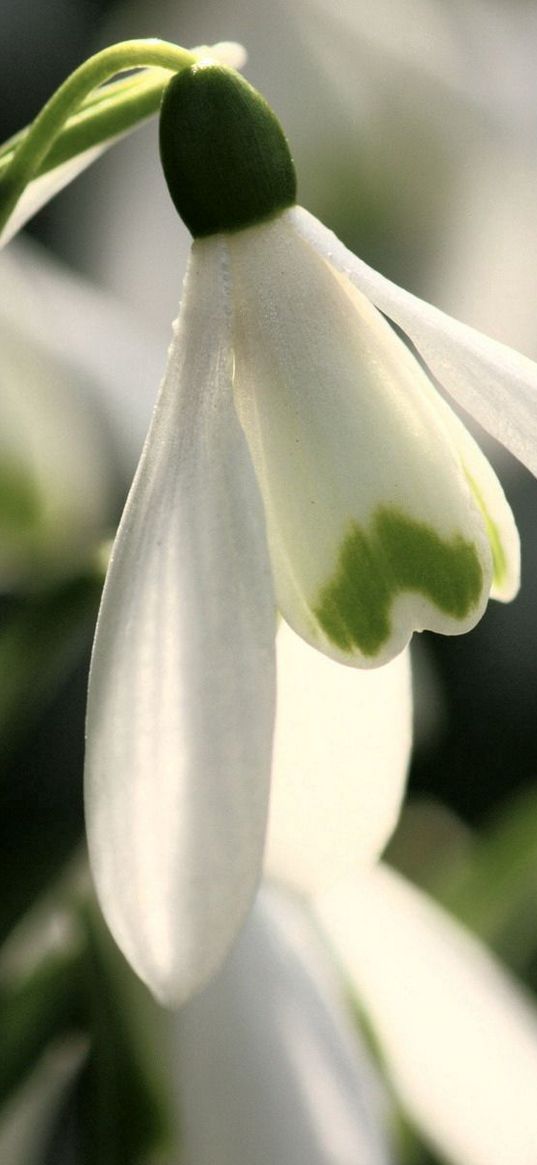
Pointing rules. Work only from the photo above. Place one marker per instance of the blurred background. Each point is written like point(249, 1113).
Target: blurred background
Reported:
point(413, 124)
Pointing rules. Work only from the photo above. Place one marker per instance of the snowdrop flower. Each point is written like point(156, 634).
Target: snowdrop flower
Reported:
point(297, 445)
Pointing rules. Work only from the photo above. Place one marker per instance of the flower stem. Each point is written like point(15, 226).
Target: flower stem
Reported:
point(107, 112)
point(41, 135)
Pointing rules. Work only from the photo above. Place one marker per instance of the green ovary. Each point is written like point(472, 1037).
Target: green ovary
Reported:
point(397, 554)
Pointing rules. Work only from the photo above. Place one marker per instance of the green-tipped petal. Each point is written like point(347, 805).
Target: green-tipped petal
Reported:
point(181, 696)
point(486, 489)
point(373, 528)
point(497, 515)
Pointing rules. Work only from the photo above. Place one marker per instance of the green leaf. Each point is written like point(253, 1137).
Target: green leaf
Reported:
point(41, 639)
point(44, 646)
point(33, 1012)
point(486, 879)
point(27, 1121)
point(493, 889)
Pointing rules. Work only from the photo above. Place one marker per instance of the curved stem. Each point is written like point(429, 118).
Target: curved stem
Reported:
point(48, 123)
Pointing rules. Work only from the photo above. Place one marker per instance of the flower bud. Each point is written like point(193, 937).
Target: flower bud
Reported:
point(224, 154)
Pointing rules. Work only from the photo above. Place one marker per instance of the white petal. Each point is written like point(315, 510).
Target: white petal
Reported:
point(42, 189)
point(341, 752)
point(228, 52)
point(497, 385)
point(372, 527)
point(457, 1036)
point(269, 1069)
point(182, 682)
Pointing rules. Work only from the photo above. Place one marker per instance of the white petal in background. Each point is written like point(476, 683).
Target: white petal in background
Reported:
point(341, 753)
point(181, 695)
point(431, 49)
point(42, 189)
point(459, 1038)
point(494, 383)
point(227, 52)
point(269, 1069)
point(56, 482)
point(412, 42)
point(106, 348)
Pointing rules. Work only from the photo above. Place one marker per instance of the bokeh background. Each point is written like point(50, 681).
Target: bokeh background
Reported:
point(414, 128)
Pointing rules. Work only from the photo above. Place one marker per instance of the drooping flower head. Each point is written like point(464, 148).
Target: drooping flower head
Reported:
point(299, 459)
point(383, 517)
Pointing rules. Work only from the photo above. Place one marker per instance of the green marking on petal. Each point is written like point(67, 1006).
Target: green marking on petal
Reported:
point(397, 554)
point(499, 558)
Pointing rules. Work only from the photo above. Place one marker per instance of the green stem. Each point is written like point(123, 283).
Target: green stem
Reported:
point(41, 135)
point(109, 111)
